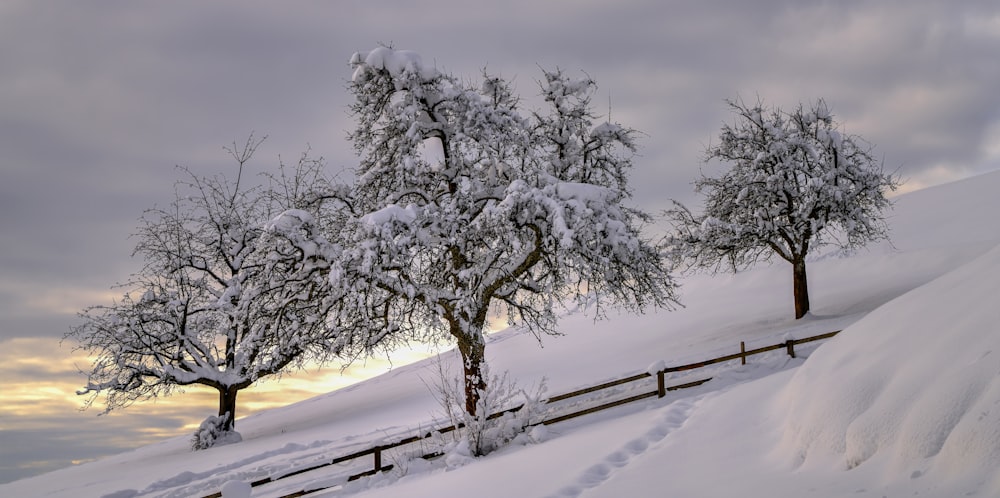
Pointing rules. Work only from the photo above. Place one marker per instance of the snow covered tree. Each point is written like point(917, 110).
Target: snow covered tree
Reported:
point(796, 183)
point(464, 205)
point(235, 287)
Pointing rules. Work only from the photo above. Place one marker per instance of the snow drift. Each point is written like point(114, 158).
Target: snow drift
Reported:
point(915, 385)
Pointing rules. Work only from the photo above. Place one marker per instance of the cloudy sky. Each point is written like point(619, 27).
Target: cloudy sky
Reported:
point(100, 100)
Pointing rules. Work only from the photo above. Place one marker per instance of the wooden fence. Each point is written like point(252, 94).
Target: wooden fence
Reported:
point(375, 452)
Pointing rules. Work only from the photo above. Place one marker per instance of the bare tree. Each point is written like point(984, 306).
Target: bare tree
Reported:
point(235, 287)
point(796, 183)
point(464, 206)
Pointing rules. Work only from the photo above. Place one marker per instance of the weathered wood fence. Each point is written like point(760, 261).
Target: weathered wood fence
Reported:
point(376, 452)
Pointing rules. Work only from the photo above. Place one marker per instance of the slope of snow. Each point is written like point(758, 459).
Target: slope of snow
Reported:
point(915, 384)
point(905, 402)
point(754, 431)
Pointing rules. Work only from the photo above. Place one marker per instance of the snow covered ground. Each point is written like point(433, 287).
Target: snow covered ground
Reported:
point(905, 401)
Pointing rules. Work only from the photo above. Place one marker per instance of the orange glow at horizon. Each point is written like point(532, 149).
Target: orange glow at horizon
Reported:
point(41, 377)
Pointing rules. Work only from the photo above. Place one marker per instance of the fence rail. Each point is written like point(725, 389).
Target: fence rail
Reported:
point(661, 389)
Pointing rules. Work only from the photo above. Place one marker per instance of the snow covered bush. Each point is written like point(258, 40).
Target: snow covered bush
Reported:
point(213, 432)
point(493, 426)
point(796, 183)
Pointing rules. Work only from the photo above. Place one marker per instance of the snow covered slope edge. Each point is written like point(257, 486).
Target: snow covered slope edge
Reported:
point(914, 387)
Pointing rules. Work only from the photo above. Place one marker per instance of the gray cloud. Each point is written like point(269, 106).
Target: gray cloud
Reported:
point(53, 443)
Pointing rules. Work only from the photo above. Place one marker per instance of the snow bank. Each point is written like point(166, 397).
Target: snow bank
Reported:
point(236, 489)
point(913, 388)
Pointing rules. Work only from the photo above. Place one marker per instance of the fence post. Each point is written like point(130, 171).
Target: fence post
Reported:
point(743, 353)
point(661, 384)
point(790, 345)
point(378, 458)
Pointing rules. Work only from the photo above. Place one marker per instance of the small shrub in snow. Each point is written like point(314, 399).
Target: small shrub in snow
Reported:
point(484, 433)
point(211, 433)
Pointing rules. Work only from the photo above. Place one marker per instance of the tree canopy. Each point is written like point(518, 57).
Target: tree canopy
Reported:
point(235, 287)
point(465, 204)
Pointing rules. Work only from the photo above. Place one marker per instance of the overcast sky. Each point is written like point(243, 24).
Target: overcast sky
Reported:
point(100, 100)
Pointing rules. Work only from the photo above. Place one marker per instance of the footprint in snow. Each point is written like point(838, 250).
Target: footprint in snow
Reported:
point(676, 414)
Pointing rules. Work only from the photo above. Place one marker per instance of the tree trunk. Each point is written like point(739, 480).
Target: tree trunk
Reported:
point(227, 406)
point(473, 355)
point(800, 287)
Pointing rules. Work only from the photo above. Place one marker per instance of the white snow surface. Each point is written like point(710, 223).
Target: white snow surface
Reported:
point(914, 386)
point(906, 401)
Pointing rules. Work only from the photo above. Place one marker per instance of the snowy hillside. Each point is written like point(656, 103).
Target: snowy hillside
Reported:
point(913, 387)
point(906, 399)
